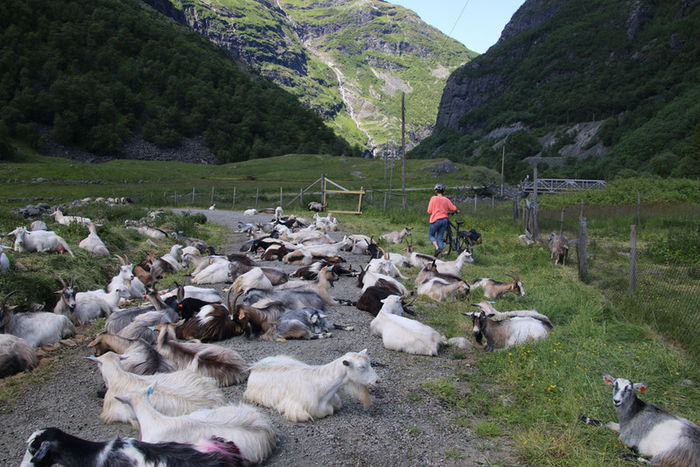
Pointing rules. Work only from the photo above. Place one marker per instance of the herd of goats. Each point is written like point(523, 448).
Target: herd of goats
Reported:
point(164, 375)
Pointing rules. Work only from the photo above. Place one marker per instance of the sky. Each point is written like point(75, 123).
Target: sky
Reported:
point(479, 25)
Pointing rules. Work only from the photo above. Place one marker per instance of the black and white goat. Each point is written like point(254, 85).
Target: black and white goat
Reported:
point(503, 330)
point(52, 446)
point(666, 439)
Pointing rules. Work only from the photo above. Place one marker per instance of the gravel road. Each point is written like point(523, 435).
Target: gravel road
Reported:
point(405, 425)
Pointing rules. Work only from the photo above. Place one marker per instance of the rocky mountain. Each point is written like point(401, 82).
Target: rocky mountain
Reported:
point(349, 60)
point(592, 88)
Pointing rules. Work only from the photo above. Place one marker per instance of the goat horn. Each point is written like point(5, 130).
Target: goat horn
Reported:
point(4, 300)
point(60, 279)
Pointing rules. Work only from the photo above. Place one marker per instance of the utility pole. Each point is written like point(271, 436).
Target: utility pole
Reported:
point(503, 159)
point(403, 151)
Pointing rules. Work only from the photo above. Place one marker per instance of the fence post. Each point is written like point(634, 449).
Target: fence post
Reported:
point(561, 222)
point(633, 258)
point(233, 203)
point(385, 200)
point(192, 195)
point(639, 208)
point(280, 196)
point(257, 193)
point(212, 196)
point(175, 197)
point(581, 249)
point(516, 211)
point(474, 202)
point(581, 213)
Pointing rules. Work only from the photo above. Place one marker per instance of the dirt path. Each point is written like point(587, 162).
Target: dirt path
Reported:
point(405, 425)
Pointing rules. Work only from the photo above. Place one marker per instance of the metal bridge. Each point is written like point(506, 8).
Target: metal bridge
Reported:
point(559, 185)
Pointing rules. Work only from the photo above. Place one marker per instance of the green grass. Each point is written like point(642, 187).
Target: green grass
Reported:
point(531, 394)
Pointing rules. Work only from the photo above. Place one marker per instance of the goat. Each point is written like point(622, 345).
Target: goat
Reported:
point(367, 279)
point(384, 266)
point(126, 280)
point(649, 430)
point(292, 299)
point(83, 307)
point(310, 272)
point(253, 279)
point(151, 232)
point(204, 294)
point(559, 247)
point(51, 446)
point(494, 289)
point(200, 245)
point(241, 424)
point(305, 323)
point(4, 260)
point(454, 267)
point(218, 271)
point(40, 241)
point(16, 355)
point(503, 330)
point(440, 289)
point(213, 322)
point(38, 328)
point(396, 236)
point(139, 356)
point(250, 212)
point(276, 276)
point(416, 259)
point(68, 220)
point(301, 392)
point(168, 263)
point(225, 365)
point(316, 206)
point(38, 225)
point(142, 325)
point(256, 321)
point(181, 391)
point(93, 244)
point(403, 334)
point(371, 300)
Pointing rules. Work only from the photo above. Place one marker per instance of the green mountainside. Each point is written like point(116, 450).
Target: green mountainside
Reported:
point(347, 59)
point(108, 75)
point(597, 88)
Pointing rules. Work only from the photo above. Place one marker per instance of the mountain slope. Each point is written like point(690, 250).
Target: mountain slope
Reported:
point(347, 59)
point(599, 87)
point(102, 74)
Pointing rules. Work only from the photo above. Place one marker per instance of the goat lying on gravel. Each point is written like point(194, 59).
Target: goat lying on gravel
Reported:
point(301, 392)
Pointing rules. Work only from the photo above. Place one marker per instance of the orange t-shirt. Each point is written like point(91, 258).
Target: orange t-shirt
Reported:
point(438, 207)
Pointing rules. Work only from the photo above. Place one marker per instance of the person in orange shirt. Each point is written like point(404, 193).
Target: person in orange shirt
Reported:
point(439, 208)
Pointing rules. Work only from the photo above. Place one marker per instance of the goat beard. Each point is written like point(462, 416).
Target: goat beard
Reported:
point(478, 337)
point(359, 392)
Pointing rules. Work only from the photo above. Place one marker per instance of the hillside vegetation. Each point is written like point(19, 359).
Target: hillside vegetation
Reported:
point(627, 68)
point(96, 74)
point(372, 49)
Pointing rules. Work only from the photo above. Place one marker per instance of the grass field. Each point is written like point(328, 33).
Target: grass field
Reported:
point(531, 393)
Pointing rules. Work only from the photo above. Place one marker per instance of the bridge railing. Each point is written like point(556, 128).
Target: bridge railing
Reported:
point(558, 185)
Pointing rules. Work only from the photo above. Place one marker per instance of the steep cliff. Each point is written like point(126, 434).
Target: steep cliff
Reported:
point(627, 68)
point(347, 59)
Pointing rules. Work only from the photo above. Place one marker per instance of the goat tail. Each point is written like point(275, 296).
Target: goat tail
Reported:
point(589, 421)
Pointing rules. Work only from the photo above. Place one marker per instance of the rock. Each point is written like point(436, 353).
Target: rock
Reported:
point(445, 167)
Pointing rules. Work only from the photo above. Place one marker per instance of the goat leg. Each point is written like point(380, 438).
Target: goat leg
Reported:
point(345, 301)
point(343, 327)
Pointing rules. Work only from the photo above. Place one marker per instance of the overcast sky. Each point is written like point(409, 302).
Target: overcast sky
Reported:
point(479, 25)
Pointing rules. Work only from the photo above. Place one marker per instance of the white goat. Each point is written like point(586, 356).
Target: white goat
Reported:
point(369, 279)
point(665, 438)
point(93, 244)
point(384, 266)
point(440, 289)
point(38, 328)
point(250, 430)
point(126, 280)
point(403, 334)
point(216, 272)
point(40, 241)
point(253, 279)
point(396, 236)
point(250, 212)
point(16, 355)
point(301, 392)
point(454, 267)
point(179, 392)
point(68, 220)
point(4, 260)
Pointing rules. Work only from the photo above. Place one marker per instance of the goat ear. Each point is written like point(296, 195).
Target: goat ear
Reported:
point(41, 453)
point(641, 387)
point(363, 351)
point(347, 363)
point(93, 343)
point(608, 379)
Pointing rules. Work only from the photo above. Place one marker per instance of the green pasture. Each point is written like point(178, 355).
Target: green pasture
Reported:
point(531, 394)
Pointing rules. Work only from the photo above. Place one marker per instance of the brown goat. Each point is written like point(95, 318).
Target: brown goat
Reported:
point(494, 289)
